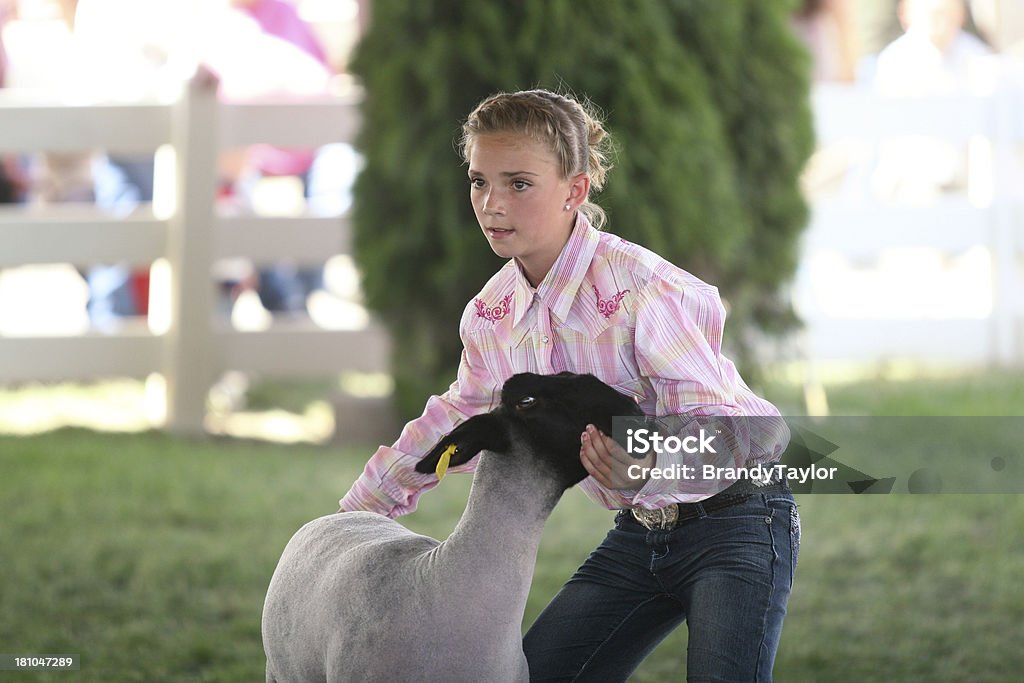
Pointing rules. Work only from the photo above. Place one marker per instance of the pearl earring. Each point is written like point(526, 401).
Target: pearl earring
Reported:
point(567, 207)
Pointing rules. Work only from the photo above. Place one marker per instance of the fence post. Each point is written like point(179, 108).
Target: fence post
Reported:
point(189, 359)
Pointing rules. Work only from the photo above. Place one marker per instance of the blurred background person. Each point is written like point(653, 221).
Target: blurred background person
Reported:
point(124, 54)
point(91, 51)
point(828, 29)
point(131, 50)
point(282, 288)
point(44, 59)
point(935, 55)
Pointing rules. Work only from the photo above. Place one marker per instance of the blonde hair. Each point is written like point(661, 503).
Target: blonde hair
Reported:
point(574, 134)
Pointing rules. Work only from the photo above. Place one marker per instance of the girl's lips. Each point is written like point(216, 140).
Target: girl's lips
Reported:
point(499, 233)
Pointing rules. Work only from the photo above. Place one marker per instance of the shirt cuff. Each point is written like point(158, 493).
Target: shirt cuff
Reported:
point(367, 498)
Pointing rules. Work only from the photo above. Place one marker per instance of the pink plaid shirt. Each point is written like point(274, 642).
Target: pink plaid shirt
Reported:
point(607, 307)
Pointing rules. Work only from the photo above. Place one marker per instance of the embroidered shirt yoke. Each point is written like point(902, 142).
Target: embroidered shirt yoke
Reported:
point(607, 307)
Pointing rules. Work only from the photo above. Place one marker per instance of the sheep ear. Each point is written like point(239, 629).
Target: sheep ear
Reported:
point(479, 433)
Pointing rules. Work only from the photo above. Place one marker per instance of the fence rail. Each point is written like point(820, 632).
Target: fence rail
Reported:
point(194, 346)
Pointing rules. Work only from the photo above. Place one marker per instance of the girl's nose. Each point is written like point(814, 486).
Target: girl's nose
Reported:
point(492, 205)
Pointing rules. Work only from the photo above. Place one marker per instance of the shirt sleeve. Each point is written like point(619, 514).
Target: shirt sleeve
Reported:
point(389, 484)
point(677, 344)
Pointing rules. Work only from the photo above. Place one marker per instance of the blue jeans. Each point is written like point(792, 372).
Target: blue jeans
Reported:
point(728, 574)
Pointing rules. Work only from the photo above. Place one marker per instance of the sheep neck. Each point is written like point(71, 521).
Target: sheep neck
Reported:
point(495, 542)
point(510, 499)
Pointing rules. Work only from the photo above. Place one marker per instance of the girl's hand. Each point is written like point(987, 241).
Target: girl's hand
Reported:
point(608, 462)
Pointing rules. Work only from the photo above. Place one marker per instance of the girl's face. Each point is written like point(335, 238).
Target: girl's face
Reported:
point(519, 199)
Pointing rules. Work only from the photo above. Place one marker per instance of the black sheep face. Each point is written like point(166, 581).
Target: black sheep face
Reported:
point(549, 412)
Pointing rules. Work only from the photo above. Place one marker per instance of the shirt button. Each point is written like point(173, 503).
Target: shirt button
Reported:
point(545, 339)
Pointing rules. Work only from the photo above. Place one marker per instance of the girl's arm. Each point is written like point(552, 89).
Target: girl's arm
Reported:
point(389, 485)
point(677, 345)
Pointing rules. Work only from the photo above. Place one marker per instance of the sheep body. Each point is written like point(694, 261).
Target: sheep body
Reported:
point(327, 571)
point(358, 597)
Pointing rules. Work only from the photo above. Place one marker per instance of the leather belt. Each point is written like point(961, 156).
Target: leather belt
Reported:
point(671, 516)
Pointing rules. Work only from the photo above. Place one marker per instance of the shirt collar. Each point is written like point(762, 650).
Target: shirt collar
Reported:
point(558, 288)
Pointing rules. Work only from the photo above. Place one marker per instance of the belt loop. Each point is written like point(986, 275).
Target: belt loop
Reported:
point(701, 513)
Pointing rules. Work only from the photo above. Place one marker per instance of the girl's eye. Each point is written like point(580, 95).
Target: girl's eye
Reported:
point(520, 185)
point(476, 183)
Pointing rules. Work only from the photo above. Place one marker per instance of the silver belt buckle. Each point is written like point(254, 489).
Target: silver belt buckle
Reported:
point(662, 518)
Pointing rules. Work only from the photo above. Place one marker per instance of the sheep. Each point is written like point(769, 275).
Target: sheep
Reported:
point(358, 597)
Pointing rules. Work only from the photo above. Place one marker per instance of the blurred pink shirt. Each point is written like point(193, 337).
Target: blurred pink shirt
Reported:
point(280, 18)
point(607, 307)
point(266, 51)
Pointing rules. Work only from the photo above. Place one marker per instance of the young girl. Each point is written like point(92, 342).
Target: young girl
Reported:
point(573, 298)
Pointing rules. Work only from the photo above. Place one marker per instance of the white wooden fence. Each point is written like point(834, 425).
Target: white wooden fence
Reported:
point(195, 346)
point(853, 312)
point(939, 280)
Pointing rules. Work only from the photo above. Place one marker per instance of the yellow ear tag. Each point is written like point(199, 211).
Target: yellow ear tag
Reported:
point(442, 464)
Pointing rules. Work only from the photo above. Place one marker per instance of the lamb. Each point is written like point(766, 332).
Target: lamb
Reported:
point(358, 597)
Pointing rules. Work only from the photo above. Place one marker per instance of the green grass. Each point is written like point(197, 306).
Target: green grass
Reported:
point(149, 556)
point(966, 393)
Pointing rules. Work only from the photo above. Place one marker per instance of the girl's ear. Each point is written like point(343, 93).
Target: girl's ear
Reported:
point(485, 432)
point(579, 189)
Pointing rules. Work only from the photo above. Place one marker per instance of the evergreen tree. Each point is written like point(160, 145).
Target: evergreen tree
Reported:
point(706, 102)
